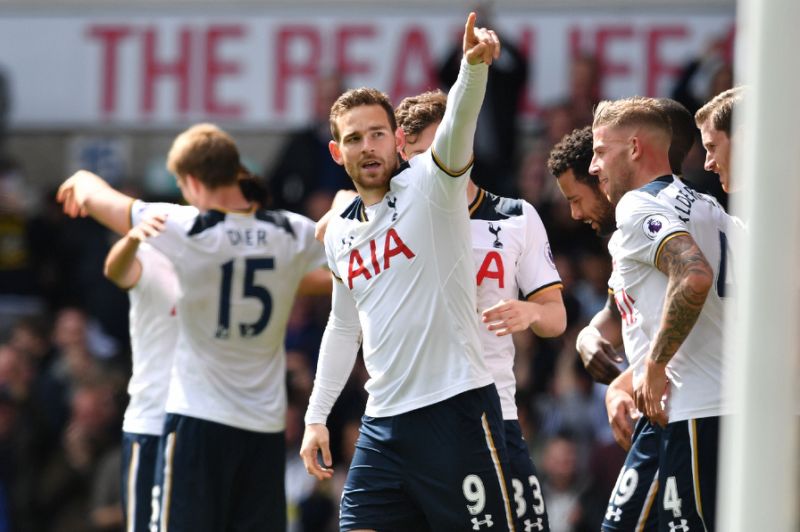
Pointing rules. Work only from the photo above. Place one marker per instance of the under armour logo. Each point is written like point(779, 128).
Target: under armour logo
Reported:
point(496, 232)
point(348, 242)
point(614, 514)
point(487, 520)
point(392, 203)
point(683, 526)
point(529, 526)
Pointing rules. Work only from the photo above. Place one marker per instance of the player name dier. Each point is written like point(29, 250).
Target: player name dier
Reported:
point(247, 237)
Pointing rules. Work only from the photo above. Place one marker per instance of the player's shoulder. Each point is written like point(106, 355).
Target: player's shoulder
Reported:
point(175, 213)
point(642, 200)
point(491, 207)
point(291, 223)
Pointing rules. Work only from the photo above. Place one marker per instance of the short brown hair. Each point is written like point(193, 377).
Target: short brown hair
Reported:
point(207, 153)
point(415, 113)
point(633, 112)
point(720, 110)
point(356, 98)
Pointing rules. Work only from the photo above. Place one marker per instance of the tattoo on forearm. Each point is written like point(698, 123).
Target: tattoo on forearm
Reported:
point(681, 260)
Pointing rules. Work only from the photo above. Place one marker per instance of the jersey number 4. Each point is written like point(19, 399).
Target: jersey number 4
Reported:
point(251, 289)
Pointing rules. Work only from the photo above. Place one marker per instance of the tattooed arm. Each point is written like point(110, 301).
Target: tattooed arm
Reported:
point(690, 279)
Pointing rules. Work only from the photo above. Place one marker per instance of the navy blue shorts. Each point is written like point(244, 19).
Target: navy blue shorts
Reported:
point(438, 468)
point(139, 452)
point(687, 483)
point(631, 507)
point(216, 477)
point(527, 500)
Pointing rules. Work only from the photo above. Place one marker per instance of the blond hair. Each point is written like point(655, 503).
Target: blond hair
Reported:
point(719, 110)
point(635, 112)
point(207, 153)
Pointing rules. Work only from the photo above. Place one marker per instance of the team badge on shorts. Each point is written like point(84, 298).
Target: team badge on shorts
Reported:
point(652, 225)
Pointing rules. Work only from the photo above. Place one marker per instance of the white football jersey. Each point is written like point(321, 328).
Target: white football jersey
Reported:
point(512, 259)
point(154, 331)
point(407, 262)
point(238, 275)
point(646, 219)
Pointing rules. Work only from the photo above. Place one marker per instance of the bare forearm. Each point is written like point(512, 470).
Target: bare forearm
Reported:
point(552, 319)
point(120, 267)
point(623, 382)
point(111, 208)
point(690, 279)
point(609, 325)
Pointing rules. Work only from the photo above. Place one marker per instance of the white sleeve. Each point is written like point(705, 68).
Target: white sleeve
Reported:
point(337, 355)
point(172, 241)
point(645, 224)
point(452, 145)
point(537, 269)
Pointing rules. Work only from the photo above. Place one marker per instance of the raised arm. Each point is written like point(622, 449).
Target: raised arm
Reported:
point(597, 343)
point(452, 146)
point(337, 355)
point(87, 194)
point(690, 278)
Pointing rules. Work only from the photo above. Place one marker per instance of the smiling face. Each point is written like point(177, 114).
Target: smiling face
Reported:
point(587, 204)
point(611, 162)
point(718, 152)
point(367, 149)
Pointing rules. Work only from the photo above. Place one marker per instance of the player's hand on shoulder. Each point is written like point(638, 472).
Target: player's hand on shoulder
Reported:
point(317, 439)
point(149, 227)
point(481, 45)
point(599, 357)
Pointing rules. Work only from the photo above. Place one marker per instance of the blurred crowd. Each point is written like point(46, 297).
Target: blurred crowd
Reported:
point(64, 358)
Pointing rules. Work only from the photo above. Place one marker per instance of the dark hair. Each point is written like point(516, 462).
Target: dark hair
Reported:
point(574, 152)
point(415, 113)
point(684, 132)
point(356, 98)
point(254, 189)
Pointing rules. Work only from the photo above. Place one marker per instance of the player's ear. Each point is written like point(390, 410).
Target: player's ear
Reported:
point(635, 148)
point(336, 153)
point(400, 140)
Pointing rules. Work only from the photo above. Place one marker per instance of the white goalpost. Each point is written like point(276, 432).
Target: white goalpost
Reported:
point(759, 445)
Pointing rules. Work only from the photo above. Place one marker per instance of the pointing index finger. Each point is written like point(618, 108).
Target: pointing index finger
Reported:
point(469, 29)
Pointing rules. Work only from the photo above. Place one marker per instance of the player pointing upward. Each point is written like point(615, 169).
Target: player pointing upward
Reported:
point(431, 453)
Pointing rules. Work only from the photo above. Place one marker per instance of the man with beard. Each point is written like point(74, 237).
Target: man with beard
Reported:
point(597, 343)
point(431, 452)
point(668, 237)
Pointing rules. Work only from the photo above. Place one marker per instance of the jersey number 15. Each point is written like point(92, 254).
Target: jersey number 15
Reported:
point(251, 289)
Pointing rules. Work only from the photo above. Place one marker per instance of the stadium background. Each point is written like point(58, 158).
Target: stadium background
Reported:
point(90, 84)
